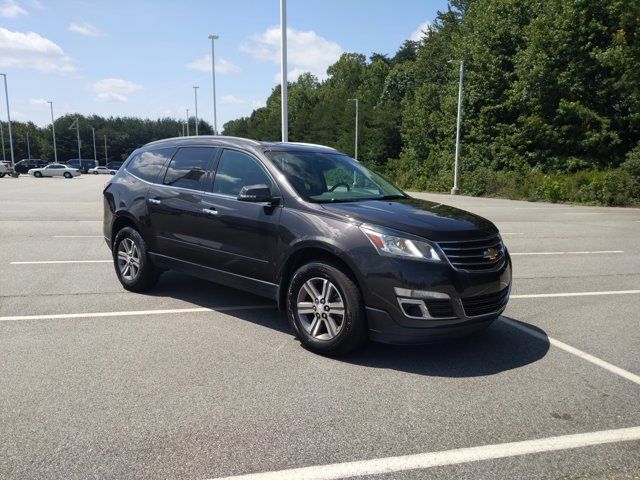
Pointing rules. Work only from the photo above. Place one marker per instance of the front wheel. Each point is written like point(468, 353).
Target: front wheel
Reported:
point(2, 175)
point(326, 310)
point(37, 174)
point(133, 266)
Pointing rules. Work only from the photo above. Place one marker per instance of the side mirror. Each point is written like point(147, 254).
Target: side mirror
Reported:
point(260, 193)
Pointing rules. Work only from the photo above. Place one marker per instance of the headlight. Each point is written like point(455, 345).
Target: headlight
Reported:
point(387, 244)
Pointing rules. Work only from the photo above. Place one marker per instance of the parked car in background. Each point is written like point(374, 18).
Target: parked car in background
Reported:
point(23, 166)
point(5, 169)
point(345, 253)
point(83, 165)
point(102, 170)
point(114, 165)
point(55, 170)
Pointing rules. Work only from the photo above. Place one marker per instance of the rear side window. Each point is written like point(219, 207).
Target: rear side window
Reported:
point(147, 165)
point(188, 167)
point(237, 170)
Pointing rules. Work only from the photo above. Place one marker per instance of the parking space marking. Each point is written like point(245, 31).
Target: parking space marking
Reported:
point(131, 313)
point(575, 294)
point(458, 456)
point(574, 351)
point(78, 236)
point(89, 221)
point(567, 253)
point(43, 262)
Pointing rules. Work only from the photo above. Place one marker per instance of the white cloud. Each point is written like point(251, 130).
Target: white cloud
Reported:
point(114, 89)
point(232, 100)
point(203, 64)
point(419, 33)
point(258, 104)
point(85, 29)
point(30, 50)
point(306, 51)
point(11, 9)
point(38, 102)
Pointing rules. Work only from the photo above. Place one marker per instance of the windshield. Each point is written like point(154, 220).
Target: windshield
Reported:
point(332, 177)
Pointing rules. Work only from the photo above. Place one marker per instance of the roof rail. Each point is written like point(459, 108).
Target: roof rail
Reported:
point(309, 145)
point(209, 137)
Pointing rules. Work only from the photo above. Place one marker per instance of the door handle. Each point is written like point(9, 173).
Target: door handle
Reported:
point(210, 211)
point(155, 201)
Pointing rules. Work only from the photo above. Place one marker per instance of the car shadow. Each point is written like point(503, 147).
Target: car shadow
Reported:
point(499, 348)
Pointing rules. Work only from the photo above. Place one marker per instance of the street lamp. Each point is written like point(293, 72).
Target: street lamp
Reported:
point(106, 157)
point(283, 69)
point(195, 92)
point(6, 94)
point(455, 190)
point(28, 146)
point(356, 100)
point(2, 136)
point(53, 130)
point(213, 38)
point(187, 122)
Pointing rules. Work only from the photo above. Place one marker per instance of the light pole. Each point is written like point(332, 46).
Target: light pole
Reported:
point(6, 94)
point(28, 146)
point(95, 152)
point(2, 135)
point(455, 190)
point(213, 38)
point(195, 92)
point(283, 69)
point(53, 130)
point(187, 122)
point(356, 100)
point(106, 157)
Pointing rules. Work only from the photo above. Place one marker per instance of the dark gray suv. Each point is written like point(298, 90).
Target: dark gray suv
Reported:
point(345, 253)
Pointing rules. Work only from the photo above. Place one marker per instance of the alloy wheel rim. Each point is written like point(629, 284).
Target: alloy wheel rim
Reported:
point(128, 259)
point(320, 308)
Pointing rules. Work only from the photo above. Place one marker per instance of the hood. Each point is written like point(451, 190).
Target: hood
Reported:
point(430, 220)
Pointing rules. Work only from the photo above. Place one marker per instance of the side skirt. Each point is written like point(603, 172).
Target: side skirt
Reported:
point(258, 287)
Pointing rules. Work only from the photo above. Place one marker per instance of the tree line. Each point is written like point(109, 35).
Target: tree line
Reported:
point(551, 104)
point(124, 135)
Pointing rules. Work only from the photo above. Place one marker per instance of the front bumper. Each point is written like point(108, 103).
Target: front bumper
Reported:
point(417, 303)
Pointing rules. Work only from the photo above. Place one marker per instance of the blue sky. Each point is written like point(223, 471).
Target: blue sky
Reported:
point(142, 58)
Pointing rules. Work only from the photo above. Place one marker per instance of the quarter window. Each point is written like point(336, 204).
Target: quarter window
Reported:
point(147, 165)
point(237, 170)
point(187, 167)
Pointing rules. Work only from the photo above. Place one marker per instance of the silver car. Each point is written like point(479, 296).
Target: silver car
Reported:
point(54, 170)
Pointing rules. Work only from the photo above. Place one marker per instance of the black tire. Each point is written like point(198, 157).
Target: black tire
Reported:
point(147, 274)
point(67, 175)
point(352, 332)
point(95, 173)
point(37, 174)
point(1, 175)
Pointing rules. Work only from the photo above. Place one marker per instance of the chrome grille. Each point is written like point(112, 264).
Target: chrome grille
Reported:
point(473, 255)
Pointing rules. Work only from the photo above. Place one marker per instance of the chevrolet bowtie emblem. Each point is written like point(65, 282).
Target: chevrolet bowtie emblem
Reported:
point(491, 254)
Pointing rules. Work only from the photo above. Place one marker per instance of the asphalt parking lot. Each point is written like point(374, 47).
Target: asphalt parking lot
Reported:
point(198, 381)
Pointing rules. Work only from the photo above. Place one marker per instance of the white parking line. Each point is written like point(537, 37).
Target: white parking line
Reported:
point(575, 294)
point(78, 236)
point(567, 253)
point(43, 262)
point(511, 233)
point(458, 456)
point(130, 313)
point(90, 221)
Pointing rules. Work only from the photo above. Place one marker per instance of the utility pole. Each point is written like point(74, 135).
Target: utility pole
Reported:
point(28, 146)
point(95, 152)
point(283, 69)
point(213, 38)
point(455, 190)
point(356, 148)
point(53, 130)
point(195, 92)
point(187, 122)
point(6, 94)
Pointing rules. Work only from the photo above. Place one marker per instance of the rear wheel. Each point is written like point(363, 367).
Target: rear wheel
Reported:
point(67, 175)
point(133, 266)
point(37, 174)
point(326, 310)
point(2, 175)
